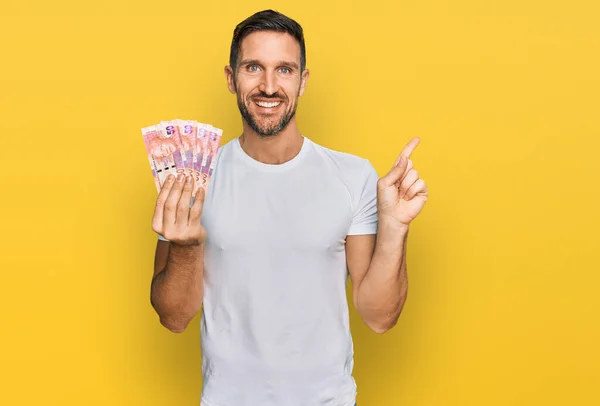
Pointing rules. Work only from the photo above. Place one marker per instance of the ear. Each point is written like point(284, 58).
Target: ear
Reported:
point(303, 81)
point(230, 79)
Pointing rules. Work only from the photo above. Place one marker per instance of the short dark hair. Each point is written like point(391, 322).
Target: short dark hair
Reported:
point(266, 20)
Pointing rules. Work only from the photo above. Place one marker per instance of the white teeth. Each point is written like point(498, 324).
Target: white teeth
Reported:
point(263, 104)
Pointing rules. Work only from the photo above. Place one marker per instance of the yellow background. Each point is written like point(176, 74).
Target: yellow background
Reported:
point(503, 261)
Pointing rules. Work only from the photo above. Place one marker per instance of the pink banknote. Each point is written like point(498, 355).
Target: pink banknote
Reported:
point(182, 146)
point(162, 151)
point(188, 130)
point(212, 147)
point(170, 129)
point(207, 146)
point(199, 153)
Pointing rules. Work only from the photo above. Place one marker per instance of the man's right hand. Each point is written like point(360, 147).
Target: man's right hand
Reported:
point(173, 217)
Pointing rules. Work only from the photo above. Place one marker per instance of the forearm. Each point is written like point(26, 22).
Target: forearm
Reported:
point(382, 293)
point(177, 291)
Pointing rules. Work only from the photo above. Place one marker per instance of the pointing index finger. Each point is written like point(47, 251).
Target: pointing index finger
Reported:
point(408, 149)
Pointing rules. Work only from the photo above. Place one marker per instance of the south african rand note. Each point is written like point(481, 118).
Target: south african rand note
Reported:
point(160, 150)
point(199, 153)
point(188, 130)
point(212, 147)
point(170, 130)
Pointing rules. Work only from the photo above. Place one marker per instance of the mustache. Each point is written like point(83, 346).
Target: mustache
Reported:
point(263, 95)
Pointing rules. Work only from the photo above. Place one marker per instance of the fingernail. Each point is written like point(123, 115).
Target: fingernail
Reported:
point(180, 177)
point(188, 179)
point(170, 178)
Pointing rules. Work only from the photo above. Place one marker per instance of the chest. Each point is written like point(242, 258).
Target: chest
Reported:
point(304, 211)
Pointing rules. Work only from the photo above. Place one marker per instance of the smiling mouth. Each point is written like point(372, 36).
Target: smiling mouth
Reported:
point(267, 105)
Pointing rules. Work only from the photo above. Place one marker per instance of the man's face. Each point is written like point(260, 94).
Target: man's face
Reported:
point(268, 81)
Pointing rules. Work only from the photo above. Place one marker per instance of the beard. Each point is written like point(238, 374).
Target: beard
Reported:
point(270, 126)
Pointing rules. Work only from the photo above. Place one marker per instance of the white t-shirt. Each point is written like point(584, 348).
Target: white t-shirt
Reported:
point(275, 328)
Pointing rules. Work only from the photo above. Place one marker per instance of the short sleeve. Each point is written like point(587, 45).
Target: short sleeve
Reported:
point(364, 220)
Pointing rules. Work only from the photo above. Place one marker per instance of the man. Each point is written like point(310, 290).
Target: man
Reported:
point(268, 252)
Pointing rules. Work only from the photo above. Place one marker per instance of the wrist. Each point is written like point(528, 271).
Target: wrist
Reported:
point(186, 250)
point(391, 235)
point(389, 224)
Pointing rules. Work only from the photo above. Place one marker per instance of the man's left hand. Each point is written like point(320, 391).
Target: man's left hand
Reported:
point(401, 195)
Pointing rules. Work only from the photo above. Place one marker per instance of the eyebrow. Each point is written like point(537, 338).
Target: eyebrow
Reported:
point(257, 62)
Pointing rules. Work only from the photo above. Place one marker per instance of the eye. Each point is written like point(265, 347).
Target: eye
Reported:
point(286, 70)
point(251, 68)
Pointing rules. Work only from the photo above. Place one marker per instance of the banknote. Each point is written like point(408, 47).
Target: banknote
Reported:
point(149, 134)
point(161, 151)
point(182, 146)
point(188, 130)
point(170, 130)
point(199, 153)
point(212, 146)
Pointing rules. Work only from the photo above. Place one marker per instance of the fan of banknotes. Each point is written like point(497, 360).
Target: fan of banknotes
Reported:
point(182, 146)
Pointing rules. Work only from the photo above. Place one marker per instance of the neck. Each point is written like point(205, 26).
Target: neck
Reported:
point(273, 149)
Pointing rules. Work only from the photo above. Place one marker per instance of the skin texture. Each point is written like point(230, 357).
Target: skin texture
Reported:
point(177, 283)
point(380, 281)
point(268, 71)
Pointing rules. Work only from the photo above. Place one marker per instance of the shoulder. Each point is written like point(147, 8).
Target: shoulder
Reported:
point(225, 150)
point(352, 168)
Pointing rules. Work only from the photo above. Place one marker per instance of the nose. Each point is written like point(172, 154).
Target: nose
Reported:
point(269, 83)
